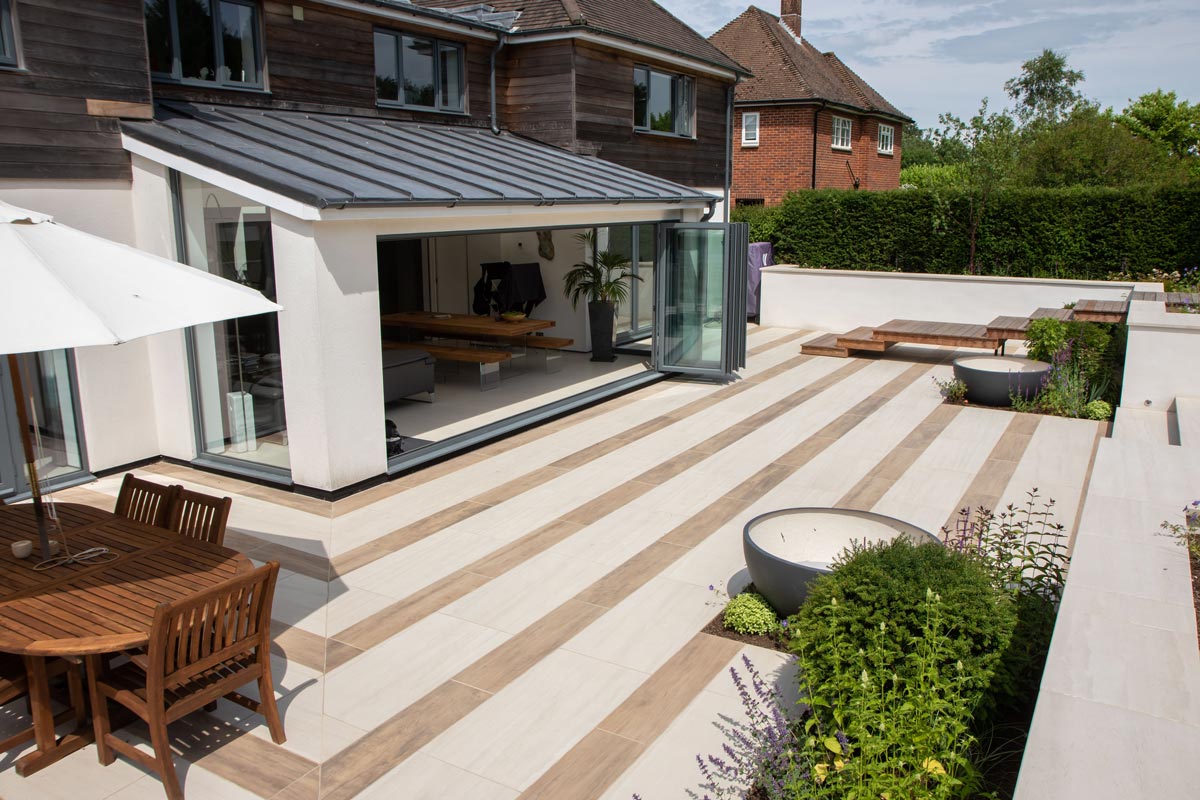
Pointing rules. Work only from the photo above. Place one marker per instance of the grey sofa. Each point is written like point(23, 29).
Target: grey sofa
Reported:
point(406, 372)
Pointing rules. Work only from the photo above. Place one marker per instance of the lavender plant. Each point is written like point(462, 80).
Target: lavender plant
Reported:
point(758, 751)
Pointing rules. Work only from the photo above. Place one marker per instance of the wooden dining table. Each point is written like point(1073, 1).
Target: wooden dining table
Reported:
point(92, 608)
point(464, 326)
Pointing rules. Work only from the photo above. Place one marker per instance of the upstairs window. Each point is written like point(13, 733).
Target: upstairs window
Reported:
point(8, 38)
point(750, 129)
point(887, 136)
point(841, 133)
point(662, 102)
point(419, 72)
point(208, 42)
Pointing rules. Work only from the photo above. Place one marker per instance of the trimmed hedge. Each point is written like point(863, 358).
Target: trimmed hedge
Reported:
point(1080, 233)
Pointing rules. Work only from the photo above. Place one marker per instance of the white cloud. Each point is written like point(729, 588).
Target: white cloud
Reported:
point(929, 56)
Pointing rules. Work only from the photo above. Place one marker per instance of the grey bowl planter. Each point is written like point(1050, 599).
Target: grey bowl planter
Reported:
point(786, 549)
point(992, 380)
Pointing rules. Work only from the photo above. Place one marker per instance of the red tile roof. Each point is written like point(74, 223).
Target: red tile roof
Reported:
point(641, 21)
point(787, 68)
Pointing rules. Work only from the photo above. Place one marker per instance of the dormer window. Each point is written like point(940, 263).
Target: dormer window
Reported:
point(662, 102)
point(419, 72)
point(206, 42)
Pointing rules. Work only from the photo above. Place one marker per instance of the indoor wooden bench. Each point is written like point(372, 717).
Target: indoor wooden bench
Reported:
point(548, 346)
point(489, 360)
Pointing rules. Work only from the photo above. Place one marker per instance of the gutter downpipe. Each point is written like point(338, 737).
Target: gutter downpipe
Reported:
point(816, 114)
point(500, 42)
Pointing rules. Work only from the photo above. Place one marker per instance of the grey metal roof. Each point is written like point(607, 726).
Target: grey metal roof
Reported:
point(331, 160)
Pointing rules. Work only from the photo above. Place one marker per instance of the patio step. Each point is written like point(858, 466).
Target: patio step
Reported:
point(862, 339)
point(825, 345)
point(1015, 327)
point(1187, 417)
point(947, 334)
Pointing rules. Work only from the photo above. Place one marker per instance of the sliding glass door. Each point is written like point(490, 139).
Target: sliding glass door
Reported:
point(54, 429)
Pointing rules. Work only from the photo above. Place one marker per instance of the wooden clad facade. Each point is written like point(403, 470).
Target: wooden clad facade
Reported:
point(71, 52)
point(317, 57)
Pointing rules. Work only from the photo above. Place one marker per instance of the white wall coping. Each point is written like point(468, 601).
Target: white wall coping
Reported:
point(783, 269)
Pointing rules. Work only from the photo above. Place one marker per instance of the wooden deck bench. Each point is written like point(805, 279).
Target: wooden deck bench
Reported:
point(946, 334)
point(488, 360)
point(1101, 310)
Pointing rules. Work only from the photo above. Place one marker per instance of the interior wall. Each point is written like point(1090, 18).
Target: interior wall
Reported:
point(521, 248)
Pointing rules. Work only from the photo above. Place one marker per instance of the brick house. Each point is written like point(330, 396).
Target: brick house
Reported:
point(804, 120)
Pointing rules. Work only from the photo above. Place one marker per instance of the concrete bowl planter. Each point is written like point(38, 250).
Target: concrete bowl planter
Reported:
point(993, 380)
point(785, 550)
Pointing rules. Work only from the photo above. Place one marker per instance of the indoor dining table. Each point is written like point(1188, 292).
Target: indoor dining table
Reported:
point(96, 607)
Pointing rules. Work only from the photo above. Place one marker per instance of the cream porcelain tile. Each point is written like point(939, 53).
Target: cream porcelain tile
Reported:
point(300, 601)
point(965, 444)
point(349, 605)
point(423, 777)
point(525, 594)
point(631, 637)
point(622, 534)
point(386, 679)
point(521, 731)
point(196, 782)
point(397, 575)
point(79, 775)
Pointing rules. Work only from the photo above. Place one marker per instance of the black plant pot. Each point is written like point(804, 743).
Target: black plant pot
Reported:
point(600, 320)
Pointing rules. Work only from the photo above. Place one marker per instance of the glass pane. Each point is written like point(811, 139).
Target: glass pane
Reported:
point(158, 35)
point(647, 255)
point(619, 239)
point(196, 51)
point(387, 81)
point(683, 106)
point(694, 299)
point(417, 68)
point(641, 97)
point(662, 102)
point(238, 378)
point(50, 405)
point(452, 78)
point(239, 34)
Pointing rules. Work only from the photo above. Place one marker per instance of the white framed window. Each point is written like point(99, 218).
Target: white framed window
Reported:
point(750, 129)
point(8, 39)
point(887, 137)
point(841, 133)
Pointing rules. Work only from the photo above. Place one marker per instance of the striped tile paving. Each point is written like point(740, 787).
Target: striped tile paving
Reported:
point(524, 621)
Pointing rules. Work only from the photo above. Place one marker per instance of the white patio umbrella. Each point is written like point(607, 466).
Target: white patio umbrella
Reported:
point(64, 288)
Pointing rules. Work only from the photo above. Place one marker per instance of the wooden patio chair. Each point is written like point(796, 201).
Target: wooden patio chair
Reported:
point(145, 501)
point(14, 684)
point(201, 648)
point(199, 516)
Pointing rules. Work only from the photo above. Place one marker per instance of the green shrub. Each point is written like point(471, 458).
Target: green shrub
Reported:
point(952, 389)
point(885, 584)
point(750, 615)
point(933, 176)
point(1098, 410)
point(1045, 337)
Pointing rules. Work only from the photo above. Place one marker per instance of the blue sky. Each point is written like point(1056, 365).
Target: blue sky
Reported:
point(929, 56)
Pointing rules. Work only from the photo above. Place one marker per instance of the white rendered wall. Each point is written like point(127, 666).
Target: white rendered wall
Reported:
point(841, 300)
point(116, 394)
point(1162, 357)
point(328, 285)
point(571, 323)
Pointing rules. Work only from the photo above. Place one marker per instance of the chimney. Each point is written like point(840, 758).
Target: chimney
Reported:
point(790, 14)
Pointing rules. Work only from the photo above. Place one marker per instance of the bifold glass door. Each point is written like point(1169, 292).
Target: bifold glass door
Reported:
point(700, 328)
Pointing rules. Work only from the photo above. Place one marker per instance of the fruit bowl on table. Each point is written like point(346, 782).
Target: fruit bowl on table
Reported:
point(512, 316)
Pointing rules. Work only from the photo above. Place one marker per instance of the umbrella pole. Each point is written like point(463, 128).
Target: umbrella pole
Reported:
point(39, 511)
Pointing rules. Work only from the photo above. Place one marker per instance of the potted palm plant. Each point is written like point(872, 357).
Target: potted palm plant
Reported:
point(603, 278)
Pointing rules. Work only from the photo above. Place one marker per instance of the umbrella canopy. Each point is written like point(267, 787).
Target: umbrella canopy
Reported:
point(66, 288)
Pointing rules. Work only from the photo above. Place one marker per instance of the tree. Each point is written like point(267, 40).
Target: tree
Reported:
point(1045, 89)
point(1172, 124)
point(925, 147)
point(991, 142)
point(1091, 148)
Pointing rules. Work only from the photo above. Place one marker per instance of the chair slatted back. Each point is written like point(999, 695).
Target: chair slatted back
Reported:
point(228, 621)
point(145, 501)
point(200, 516)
